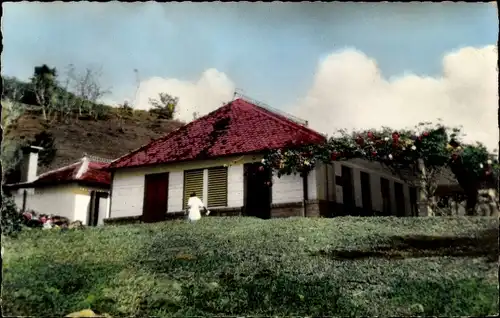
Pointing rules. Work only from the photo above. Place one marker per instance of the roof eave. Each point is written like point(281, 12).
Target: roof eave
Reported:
point(30, 185)
point(113, 169)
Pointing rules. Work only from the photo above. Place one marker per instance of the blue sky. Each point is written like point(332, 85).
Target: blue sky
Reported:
point(271, 51)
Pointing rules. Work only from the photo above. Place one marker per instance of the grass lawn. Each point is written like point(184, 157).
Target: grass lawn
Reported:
point(244, 266)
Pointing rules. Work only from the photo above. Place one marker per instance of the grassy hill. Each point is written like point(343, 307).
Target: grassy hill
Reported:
point(251, 267)
point(110, 137)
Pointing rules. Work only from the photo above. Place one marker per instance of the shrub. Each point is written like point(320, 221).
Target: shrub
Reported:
point(11, 219)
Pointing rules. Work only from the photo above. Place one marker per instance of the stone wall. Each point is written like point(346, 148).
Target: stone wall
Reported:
point(310, 208)
point(123, 220)
point(226, 211)
point(284, 210)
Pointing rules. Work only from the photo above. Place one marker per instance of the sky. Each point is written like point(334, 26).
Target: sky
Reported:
point(337, 65)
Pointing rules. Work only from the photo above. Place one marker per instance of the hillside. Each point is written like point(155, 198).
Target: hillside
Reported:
point(109, 138)
point(387, 267)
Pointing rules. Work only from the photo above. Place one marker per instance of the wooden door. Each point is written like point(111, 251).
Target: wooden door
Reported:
point(155, 197)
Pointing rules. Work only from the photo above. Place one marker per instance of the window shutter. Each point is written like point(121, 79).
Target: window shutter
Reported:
point(217, 187)
point(193, 182)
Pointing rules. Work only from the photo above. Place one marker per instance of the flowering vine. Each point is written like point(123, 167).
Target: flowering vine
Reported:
point(435, 146)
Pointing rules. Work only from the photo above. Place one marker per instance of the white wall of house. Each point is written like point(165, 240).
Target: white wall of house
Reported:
point(235, 185)
point(325, 182)
point(82, 202)
point(290, 188)
point(175, 191)
point(128, 185)
point(127, 193)
point(287, 188)
point(103, 210)
point(58, 200)
point(70, 201)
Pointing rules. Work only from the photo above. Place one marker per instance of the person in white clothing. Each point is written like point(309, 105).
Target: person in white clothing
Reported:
point(194, 207)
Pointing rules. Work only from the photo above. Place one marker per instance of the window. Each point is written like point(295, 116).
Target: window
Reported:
point(193, 182)
point(386, 196)
point(217, 187)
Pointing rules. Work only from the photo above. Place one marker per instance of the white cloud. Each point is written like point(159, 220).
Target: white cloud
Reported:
point(349, 92)
point(203, 96)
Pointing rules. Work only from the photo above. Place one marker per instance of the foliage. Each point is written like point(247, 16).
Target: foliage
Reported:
point(76, 94)
point(435, 146)
point(416, 155)
point(11, 156)
point(45, 140)
point(44, 86)
point(87, 90)
point(12, 108)
point(283, 267)
point(11, 219)
point(164, 107)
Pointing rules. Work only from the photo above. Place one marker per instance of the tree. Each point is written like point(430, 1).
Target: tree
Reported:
point(44, 86)
point(13, 109)
point(416, 151)
point(45, 140)
point(165, 106)
point(124, 110)
point(88, 91)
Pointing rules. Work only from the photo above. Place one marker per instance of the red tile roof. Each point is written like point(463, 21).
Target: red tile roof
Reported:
point(237, 128)
point(94, 174)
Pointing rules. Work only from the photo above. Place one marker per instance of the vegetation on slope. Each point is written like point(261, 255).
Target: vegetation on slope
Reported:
point(246, 266)
point(63, 115)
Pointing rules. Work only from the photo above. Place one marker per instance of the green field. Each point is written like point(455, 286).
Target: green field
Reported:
point(250, 267)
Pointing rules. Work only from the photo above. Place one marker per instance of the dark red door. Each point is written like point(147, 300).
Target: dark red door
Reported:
point(155, 197)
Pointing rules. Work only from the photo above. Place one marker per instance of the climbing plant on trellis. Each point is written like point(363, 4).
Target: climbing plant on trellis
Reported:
point(425, 147)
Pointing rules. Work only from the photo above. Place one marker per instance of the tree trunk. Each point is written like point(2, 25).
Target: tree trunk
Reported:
point(423, 204)
point(44, 113)
point(469, 184)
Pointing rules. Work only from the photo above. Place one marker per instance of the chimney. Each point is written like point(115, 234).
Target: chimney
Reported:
point(29, 163)
point(84, 167)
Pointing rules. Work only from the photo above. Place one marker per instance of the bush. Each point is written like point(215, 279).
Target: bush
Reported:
point(11, 219)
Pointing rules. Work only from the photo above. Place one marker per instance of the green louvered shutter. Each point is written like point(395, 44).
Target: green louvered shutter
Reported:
point(217, 187)
point(193, 182)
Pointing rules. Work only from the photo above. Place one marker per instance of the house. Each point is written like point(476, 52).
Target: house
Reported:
point(218, 157)
point(79, 191)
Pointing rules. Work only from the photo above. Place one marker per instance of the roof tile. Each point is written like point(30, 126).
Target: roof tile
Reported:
point(94, 173)
point(239, 127)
